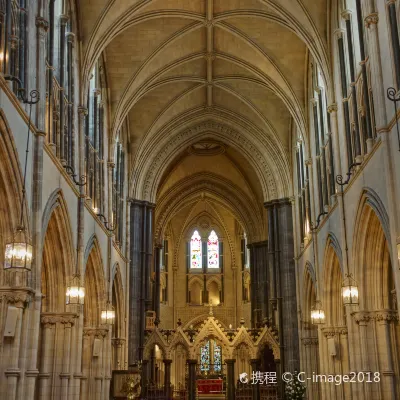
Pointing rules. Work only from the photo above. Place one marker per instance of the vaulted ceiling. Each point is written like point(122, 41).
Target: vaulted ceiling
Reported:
point(227, 70)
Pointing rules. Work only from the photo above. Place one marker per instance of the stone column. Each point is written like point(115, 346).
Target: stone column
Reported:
point(192, 379)
point(157, 288)
point(255, 362)
point(385, 349)
point(65, 375)
point(363, 319)
point(371, 22)
point(141, 246)
point(145, 377)
point(167, 378)
point(285, 283)
point(230, 379)
point(48, 332)
point(13, 372)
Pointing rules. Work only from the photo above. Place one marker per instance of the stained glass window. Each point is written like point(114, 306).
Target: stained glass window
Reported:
point(195, 251)
point(217, 357)
point(212, 251)
point(205, 357)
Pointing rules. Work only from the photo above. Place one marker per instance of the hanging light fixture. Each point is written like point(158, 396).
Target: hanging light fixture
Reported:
point(108, 315)
point(18, 251)
point(317, 314)
point(349, 291)
point(75, 292)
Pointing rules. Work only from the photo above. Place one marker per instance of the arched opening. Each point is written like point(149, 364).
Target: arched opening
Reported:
point(95, 336)
point(118, 328)
point(57, 319)
point(309, 333)
point(196, 293)
point(377, 327)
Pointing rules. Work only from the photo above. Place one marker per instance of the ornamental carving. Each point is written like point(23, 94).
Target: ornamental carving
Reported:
point(54, 318)
point(310, 341)
point(371, 19)
point(386, 316)
point(362, 317)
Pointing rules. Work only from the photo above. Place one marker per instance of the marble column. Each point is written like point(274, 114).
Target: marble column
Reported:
point(285, 281)
point(141, 245)
point(230, 378)
point(192, 379)
point(167, 378)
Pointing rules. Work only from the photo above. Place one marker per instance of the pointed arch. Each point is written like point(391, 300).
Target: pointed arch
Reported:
point(117, 294)
point(10, 182)
point(94, 282)
point(332, 288)
point(371, 256)
point(57, 252)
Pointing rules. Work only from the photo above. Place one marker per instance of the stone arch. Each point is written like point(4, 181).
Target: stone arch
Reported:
point(309, 298)
point(150, 167)
point(371, 255)
point(332, 288)
point(10, 193)
point(117, 299)
point(94, 282)
point(150, 344)
point(191, 189)
point(215, 280)
point(57, 253)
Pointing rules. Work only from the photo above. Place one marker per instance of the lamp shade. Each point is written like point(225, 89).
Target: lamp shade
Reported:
point(75, 291)
point(18, 254)
point(317, 314)
point(108, 315)
point(349, 291)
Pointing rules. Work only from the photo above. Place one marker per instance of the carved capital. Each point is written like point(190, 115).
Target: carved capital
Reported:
point(64, 19)
point(42, 25)
point(70, 37)
point(339, 33)
point(310, 341)
point(386, 316)
point(83, 112)
point(362, 317)
point(332, 108)
point(371, 19)
point(346, 14)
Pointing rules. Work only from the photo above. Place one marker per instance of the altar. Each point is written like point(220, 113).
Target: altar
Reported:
point(210, 386)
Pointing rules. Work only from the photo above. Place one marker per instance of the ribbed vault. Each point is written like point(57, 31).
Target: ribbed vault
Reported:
point(173, 66)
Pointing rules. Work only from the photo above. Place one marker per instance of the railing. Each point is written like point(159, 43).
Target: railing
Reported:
point(244, 391)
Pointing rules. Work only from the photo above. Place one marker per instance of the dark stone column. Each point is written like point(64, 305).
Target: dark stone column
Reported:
point(141, 244)
point(145, 377)
point(230, 379)
point(167, 379)
point(157, 284)
point(254, 362)
point(192, 379)
point(285, 280)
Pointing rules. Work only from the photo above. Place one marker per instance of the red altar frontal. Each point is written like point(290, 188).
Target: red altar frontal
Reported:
point(209, 386)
